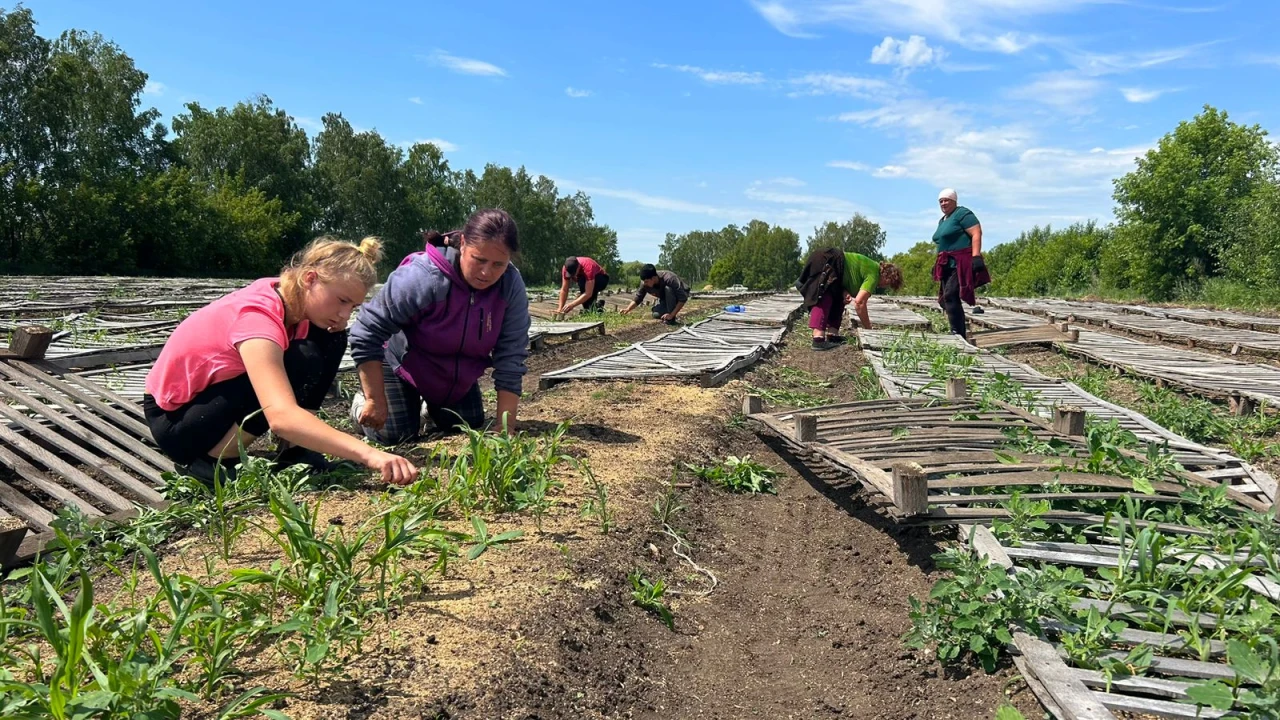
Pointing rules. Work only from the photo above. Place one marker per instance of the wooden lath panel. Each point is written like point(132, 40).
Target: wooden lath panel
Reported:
point(69, 442)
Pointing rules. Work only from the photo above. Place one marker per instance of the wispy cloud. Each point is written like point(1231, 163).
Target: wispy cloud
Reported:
point(1097, 64)
point(576, 93)
point(849, 165)
point(415, 100)
point(1141, 95)
point(717, 77)
point(153, 88)
point(838, 84)
point(444, 145)
point(989, 25)
point(1066, 91)
point(308, 123)
point(913, 52)
point(465, 66)
point(787, 181)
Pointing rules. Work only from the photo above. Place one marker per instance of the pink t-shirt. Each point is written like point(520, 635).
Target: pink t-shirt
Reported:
point(586, 267)
point(204, 348)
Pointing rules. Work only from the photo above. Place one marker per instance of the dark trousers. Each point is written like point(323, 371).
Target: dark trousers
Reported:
point(191, 431)
point(951, 303)
point(602, 282)
point(667, 303)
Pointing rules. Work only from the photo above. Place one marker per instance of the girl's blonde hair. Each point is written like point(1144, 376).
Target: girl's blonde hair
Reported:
point(331, 259)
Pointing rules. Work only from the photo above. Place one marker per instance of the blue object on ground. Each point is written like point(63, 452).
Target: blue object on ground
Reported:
point(735, 308)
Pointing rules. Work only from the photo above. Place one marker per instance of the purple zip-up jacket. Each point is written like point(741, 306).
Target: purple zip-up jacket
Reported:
point(438, 334)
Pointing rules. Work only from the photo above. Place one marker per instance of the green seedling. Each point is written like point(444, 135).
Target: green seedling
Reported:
point(648, 595)
point(483, 541)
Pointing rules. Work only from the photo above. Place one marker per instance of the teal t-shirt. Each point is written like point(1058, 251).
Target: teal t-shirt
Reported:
point(860, 273)
point(951, 234)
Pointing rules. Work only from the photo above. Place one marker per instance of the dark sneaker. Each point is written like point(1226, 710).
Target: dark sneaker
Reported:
point(821, 345)
point(838, 339)
point(977, 310)
point(298, 455)
point(203, 469)
point(672, 321)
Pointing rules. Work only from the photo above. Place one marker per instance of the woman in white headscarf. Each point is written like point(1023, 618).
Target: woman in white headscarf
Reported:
point(960, 268)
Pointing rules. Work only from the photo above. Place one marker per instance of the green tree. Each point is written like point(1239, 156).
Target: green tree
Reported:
point(434, 194)
point(692, 254)
point(1173, 206)
point(253, 145)
point(1042, 261)
point(916, 265)
point(360, 186)
point(765, 257)
point(856, 235)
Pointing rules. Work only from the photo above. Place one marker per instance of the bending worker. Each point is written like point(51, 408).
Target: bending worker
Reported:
point(262, 358)
point(441, 319)
point(591, 279)
point(832, 279)
point(672, 293)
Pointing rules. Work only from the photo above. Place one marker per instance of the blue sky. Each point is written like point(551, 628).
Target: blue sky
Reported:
point(677, 116)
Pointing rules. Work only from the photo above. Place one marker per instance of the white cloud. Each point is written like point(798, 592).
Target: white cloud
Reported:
point(837, 84)
point(787, 181)
point(1139, 95)
point(576, 93)
point(1097, 64)
point(311, 124)
point(465, 66)
point(849, 165)
point(415, 100)
point(444, 145)
point(910, 53)
point(930, 117)
point(977, 24)
point(781, 18)
point(1066, 91)
point(153, 88)
point(717, 77)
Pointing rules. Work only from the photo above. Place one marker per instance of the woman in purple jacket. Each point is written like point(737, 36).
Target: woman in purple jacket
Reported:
point(443, 317)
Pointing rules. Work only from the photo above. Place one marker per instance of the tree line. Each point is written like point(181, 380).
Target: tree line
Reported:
point(1198, 219)
point(93, 183)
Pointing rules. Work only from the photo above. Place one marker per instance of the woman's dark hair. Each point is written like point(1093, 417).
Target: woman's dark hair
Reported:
point(571, 265)
point(490, 225)
point(648, 271)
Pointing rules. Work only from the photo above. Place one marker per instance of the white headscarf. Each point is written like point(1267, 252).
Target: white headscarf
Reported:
point(948, 193)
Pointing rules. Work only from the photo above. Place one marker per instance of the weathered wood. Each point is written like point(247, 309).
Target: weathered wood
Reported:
point(986, 545)
point(38, 479)
point(12, 531)
point(1017, 336)
point(139, 489)
point(1068, 420)
point(133, 443)
point(30, 341)
point(752, 404)
point(1075, 700)
point(957, 388)
point(24, 507)
point(910, 489)
point(82, 482)
point(806, 428)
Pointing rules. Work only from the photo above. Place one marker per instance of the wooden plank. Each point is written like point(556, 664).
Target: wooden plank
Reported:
point(128, 406)
point(1018, 336)
point(985, 544)
point(107, 358)
point(84, 483)
point(139, 489)
point(135, 444)
point(26, 509)
point(1075, 700)
point(95, 403)
point(40, 481)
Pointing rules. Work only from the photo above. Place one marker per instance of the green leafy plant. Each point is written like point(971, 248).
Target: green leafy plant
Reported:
point(738, 475)
point(1258, 667)
point(483, 540)
point(596, 504)
point(648, 595)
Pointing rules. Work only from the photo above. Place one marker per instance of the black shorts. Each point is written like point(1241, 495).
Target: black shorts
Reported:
point(190, 431)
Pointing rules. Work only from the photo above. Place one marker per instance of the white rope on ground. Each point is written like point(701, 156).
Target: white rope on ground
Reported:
point(675, 549)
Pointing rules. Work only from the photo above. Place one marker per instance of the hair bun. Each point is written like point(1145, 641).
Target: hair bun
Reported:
point(371, 248)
